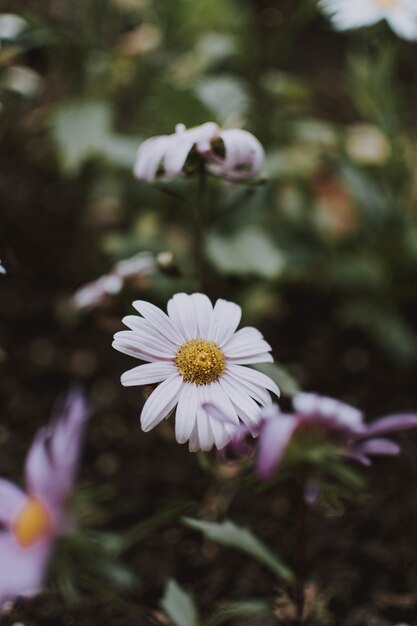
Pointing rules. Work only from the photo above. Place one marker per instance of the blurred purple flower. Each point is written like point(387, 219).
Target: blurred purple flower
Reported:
point(338, 421)
point(32, 519)
point(95, 293)
point(335, 420)
point(243, 154)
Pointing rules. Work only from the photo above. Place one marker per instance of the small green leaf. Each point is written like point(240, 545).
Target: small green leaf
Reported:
point(243, 539)
point(179, 605)
point(249, 253)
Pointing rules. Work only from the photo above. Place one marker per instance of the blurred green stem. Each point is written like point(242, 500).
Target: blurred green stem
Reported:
point(200, 235)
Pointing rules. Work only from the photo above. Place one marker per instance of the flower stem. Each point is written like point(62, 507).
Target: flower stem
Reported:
point(300, 558)
point(200, 235)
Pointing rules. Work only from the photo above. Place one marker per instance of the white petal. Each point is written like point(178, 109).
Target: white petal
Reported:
point(161, 402)
point(204, 312)
point(176, 155)
point(137, 323)
point(241, 149)
point(205, 433)
point(186, 414)
point(148, 374)
point(245, 334)
point(403, 24)
point(152, 343)
point(246, 408)
point(159, 320)
point(242, 350)
point(201, 135)
point(182, 313)
point(253, 376)
point(155, 349)
point(265, 357)
point(225, 320)
point(258, 393)
point(149, 156)
point(222, 430)
point(194, 443)
point(126, 346)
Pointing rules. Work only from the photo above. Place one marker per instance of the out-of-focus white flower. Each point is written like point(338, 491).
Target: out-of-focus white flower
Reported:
point(32, 519)
point(401, 15)
point(198, 357)
point(367, 144)
point(2, 269)
point(234, 154)
point(94, 293)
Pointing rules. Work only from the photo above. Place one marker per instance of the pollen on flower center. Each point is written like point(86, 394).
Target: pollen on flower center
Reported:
point(200, 361)
point(32, 523)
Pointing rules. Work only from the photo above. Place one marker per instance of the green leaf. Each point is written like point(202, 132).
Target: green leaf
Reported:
point(280, 375)
point(79, 129)
point(179, 605)
point(228, 534)
point(250, 252)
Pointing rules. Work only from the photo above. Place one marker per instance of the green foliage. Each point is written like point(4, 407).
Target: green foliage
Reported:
point(179, 605)
point(229, 534)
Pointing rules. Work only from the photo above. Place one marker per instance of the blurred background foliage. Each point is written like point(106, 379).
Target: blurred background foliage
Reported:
point(82, 83)
point(322, 253)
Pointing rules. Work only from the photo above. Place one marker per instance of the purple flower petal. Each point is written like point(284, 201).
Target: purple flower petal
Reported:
point(391, 423)
point(52, 460)
point(379, 447)
point(275, 436)
point(12, 499)
point(22, 570)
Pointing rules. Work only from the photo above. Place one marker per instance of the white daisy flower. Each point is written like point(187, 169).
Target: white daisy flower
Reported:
point(198, 357)
point(243, 154)
point(401, 15)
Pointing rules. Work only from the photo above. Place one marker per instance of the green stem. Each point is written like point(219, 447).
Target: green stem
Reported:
point(200, 235)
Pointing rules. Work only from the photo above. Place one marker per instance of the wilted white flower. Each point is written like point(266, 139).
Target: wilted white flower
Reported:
point(198, 357)
point(234, 154)
point(401, 15)
point(94, 293)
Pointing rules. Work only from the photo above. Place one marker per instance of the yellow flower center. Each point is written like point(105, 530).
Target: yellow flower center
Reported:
point(200, 362)
point(386, 3)
point(32, 523)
